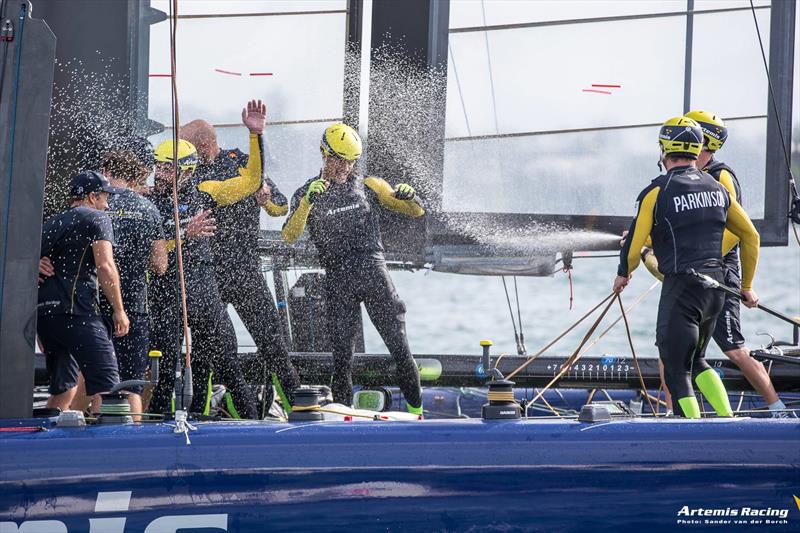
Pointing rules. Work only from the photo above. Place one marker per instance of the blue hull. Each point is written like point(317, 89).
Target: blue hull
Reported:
point(465, 475)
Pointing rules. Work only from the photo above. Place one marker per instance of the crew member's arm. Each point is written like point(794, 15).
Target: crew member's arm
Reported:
point(650, 262)
point(639, 232)
point(159, 256)
point(248, 181)
point(232, 190)
point(108, 278)
point(740, 225)
point(387, 197)
point(200, 225)
point(272, 199)
point(729, 240)
point(295, 225)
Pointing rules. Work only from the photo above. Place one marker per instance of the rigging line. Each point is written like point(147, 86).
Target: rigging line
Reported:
point(173, 27)
point(792, 183)
point(576, 355)
point(532, 358)
point(265, 14)
point(636, 302)
point(491, 76)
point(510, 312)
point(458, 86)
point(592, 129)
point(590, 20)
point(553, 409)
point(277, 123)
point(633, 353)
point(519, 319)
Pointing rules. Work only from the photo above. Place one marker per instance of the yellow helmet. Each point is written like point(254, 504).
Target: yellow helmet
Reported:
point(187, 154)
point(340, 140)
point(681, 136)
point(714, 130)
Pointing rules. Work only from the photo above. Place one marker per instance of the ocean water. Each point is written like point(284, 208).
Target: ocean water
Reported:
point(450, 313)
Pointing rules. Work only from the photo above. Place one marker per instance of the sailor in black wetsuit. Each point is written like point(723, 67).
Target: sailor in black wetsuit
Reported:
point(212, 333)
point(77, 256)
point(140, 251)
point(728, 330)
point(340, 209)
point(686, 211)
point(237, 264)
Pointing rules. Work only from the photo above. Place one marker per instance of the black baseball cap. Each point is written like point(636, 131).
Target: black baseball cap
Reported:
point(88, 181)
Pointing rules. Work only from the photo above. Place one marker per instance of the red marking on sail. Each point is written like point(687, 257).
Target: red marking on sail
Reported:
point(230, 73)
point(261, 73)
point(595, 91)
point(609, 86)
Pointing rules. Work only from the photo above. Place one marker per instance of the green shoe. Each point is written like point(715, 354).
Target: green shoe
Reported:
point(414, 410)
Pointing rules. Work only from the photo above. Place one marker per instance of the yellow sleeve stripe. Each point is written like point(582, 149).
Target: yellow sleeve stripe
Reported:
point(726, 181)
point(740, 225)
point(296, 224)
point(380, 187)
point(644, 225)
point(275, 210)
point(248, 181)
point(170, 245)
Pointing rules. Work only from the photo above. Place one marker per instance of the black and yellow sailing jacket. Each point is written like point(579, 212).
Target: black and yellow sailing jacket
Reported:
point(725, 175)
point(208, 195)
point(343, 221)
point(238, 224)
point(685, 212)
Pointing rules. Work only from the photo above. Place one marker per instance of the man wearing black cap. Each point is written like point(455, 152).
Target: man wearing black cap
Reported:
point(140, 248)
point(77, 254)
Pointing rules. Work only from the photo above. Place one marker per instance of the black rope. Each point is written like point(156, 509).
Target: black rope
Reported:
point(794, 212)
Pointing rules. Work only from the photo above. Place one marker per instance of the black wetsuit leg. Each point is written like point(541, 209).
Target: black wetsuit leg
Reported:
point(247, 290)
point(388, 314)
point(728, 329)
point(343, 307)
point(687, 312)
point(214, 346)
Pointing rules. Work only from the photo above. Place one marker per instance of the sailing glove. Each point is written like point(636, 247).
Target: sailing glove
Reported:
point(404, 191)
point(316, 188)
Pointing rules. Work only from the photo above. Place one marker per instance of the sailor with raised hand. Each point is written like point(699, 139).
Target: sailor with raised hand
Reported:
point(340, 209)
point(77, 256)
point(237, 264)
point(728, 329)
point(686, 211)
point(212, 333)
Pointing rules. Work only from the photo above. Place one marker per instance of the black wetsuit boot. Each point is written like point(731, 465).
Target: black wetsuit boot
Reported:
point(367, 280)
